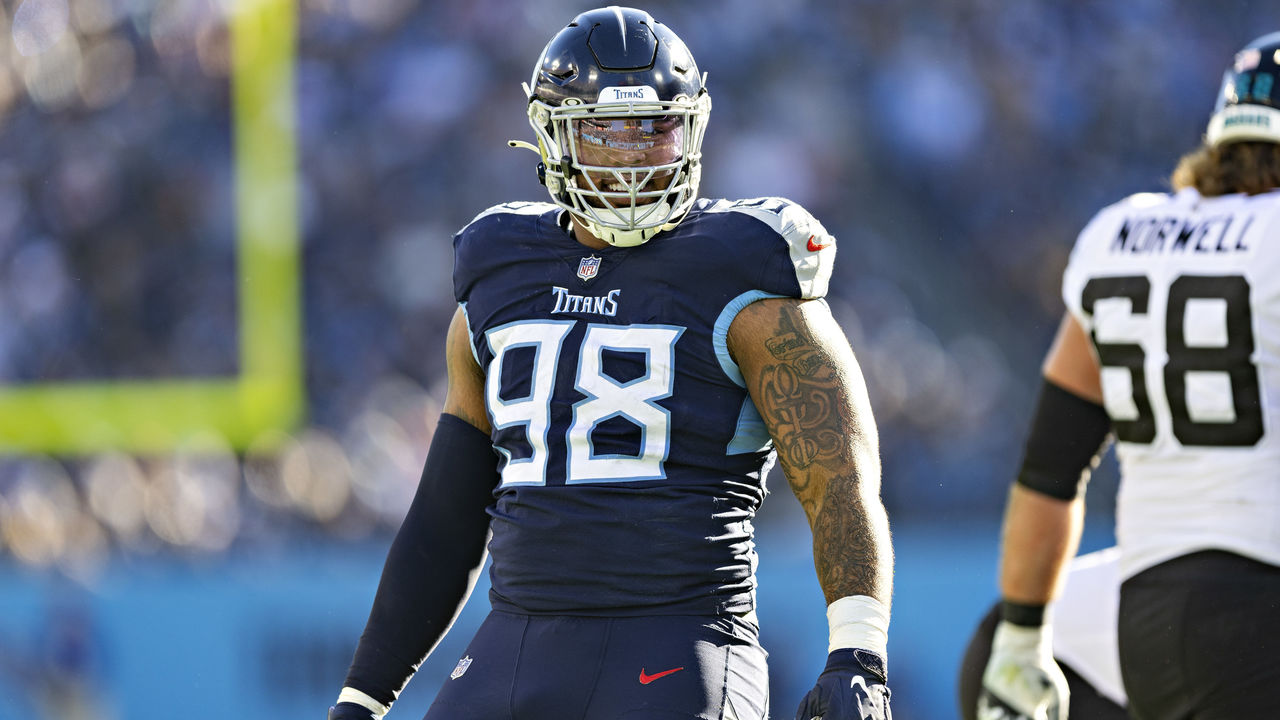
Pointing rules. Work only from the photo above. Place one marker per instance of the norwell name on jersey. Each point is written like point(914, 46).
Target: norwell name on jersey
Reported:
point(1174, 234)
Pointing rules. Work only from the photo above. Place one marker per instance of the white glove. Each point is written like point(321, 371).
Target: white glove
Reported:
point(1022, 681)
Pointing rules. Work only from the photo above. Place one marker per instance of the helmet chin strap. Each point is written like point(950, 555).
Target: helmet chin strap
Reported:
point(619, 237)
point(622, 238)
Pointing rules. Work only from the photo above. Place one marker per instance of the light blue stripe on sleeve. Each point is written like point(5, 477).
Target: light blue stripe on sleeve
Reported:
point(470, 338)
point(720, 333)
point(751, 434)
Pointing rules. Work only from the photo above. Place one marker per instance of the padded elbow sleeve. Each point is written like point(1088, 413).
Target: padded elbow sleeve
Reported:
point(433, 562)
point(1068, 435)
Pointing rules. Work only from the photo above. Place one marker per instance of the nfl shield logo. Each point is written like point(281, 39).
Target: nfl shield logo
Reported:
point(463, 664)
point(588, 268)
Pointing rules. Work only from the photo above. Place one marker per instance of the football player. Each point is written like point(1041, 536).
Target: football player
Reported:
point(1171, 342)
point(625, 365)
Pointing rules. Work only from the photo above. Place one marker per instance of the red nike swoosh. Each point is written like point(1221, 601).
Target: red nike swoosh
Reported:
point(646, 679)
point(815, 247)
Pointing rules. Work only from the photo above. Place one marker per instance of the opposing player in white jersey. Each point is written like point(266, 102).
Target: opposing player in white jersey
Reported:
point(1171, 343)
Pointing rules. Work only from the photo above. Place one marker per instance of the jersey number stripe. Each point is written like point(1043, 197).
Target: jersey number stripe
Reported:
point(1186, 360)
point(604, 398)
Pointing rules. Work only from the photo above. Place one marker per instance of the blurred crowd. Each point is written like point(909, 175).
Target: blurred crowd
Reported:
point(954, 149)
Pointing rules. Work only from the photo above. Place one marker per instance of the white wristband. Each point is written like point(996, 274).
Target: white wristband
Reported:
point(352, 695)
point(859, 621)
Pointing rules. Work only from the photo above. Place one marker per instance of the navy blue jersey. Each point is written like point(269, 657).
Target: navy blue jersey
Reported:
point(632, 458)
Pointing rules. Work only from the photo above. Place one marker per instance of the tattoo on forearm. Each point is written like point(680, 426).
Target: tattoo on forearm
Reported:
point(803, 395)
point(848, 544)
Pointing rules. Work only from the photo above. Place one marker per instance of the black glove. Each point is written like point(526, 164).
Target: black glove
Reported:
point(851, 687)
point(350, 711)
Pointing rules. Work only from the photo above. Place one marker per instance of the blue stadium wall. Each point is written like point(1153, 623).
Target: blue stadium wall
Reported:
point(269, 635)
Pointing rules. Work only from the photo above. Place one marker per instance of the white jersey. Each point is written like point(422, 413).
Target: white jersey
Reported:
point(1084, 622)
point(1181, 295)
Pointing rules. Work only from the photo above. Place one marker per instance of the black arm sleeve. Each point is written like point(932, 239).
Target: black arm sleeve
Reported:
point(1068, 435)
point(433, 562)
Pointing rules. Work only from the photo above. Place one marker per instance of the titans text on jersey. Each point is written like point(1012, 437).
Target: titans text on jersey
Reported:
point(567, 302)
point(632, 458)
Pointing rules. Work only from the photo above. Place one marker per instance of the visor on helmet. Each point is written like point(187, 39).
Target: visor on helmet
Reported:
point(629, 141)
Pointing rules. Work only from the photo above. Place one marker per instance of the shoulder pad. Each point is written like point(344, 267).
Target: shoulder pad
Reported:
point(514, 208)
point(812, 248)
point(1144, 200)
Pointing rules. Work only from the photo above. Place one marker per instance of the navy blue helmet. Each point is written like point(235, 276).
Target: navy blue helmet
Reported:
point(619, 110)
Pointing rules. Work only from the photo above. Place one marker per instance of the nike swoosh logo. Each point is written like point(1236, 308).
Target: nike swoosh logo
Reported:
point(646, 679)
point(815, 247)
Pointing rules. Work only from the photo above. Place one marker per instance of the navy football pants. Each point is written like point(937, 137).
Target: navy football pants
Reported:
point(529, 667)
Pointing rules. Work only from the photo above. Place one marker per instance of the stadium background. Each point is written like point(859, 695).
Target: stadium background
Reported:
point(224, 284)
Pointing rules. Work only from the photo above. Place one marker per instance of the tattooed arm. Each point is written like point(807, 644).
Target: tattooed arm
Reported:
point(805, 382)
